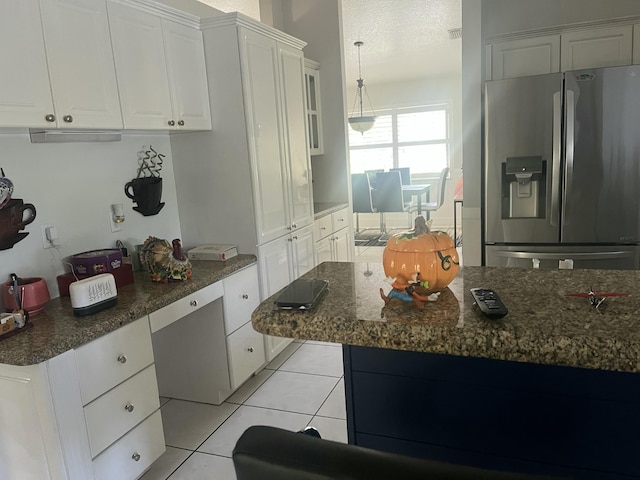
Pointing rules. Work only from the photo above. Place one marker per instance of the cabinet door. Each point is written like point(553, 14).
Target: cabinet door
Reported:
point(260, 79)
point(324, 250)
point(25, 95)
point(342, 245)
point(245, 350)
point(142, 73)
point(299, 172)
point(80, 58)
point(523, 57)
point(600, 47)
point(314, 115)
point(302, 251)
point(184, 52)
point(274, 265)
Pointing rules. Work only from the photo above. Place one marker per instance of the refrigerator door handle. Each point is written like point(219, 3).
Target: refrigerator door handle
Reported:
point(555, 159)
point(564, 255)
point(570, 141)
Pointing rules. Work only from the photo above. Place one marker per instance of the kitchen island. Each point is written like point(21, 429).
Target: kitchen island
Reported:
point(551, 388)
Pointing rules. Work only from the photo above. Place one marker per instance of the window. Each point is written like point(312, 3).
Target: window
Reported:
point(417, 138)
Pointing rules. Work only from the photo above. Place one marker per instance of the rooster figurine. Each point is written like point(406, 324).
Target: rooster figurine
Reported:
point(165, 260)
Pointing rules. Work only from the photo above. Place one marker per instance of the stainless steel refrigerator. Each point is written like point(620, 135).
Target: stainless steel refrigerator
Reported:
point(562, 170)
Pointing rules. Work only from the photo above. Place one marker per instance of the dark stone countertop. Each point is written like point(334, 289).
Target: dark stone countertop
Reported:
point(543, 325)
point(57, 329)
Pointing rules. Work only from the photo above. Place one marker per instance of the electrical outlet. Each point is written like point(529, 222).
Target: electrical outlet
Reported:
point(45, 241)
point(115, 226)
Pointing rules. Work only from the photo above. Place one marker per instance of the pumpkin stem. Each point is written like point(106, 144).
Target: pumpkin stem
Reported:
point(420, 225)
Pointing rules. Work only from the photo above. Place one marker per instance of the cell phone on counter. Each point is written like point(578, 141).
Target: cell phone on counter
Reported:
point(301, 294)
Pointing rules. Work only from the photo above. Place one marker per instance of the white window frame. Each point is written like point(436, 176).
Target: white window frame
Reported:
point(395, 145)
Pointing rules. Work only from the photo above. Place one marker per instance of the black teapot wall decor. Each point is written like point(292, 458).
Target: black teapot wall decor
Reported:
point(146, 189)
point(14, 215)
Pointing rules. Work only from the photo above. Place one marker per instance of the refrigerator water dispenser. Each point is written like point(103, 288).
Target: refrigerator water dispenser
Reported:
point(523, 187)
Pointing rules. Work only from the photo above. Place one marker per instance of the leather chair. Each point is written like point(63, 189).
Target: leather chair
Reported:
point(388, 196)
point(433, 206)
point(361, 196)
point(272, 453)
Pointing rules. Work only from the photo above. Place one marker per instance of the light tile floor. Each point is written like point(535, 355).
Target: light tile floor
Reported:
point(303, 386)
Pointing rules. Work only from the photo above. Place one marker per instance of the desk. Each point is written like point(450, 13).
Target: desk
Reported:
point(417, 190)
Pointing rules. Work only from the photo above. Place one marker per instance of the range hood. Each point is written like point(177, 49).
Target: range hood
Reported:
point(74, 136)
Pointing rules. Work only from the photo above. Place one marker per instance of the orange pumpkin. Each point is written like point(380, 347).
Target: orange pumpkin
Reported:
point(421, 256)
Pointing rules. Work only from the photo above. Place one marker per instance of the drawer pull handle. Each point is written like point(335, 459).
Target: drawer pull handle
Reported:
point(245, 296)
point(136, 456)
point(67, 118)
point(193, 303)
point(181, 123)
point(129, 407)
point(50, 118)
point(122, 359)
point(250, 349)
point(171, 123)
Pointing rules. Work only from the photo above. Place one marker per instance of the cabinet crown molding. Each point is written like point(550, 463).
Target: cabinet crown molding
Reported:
point(163, 11)
point(239, 19)
point(563, 29)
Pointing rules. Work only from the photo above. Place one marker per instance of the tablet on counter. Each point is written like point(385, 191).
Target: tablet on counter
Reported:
point(301, 294)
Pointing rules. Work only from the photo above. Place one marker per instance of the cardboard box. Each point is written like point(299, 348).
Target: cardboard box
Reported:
point(213, 252)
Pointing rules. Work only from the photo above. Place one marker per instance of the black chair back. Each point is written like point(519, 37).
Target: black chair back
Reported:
point(361, 193)
point(267, 452)
point(387, 195)
point(405, 174)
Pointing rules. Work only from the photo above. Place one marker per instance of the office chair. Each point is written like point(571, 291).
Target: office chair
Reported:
point(361, 196)
point(264, 452)
point(433, 206)
point(388, 197)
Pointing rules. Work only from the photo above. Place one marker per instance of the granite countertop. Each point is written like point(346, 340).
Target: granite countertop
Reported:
point(57, 329)
point(543, 325)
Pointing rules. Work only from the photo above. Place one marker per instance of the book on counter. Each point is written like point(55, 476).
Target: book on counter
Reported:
point(213, 252)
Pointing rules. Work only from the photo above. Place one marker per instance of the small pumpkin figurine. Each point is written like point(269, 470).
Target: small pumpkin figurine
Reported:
point(430, 257)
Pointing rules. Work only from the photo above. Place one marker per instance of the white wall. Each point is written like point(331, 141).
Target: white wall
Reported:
point(72, 186)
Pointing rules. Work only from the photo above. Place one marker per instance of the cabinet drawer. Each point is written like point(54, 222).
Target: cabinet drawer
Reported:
point(119, 410)
point(178, 309)
point(323, 226)
point(241, 297)
point(340, 219)
point(245, 350)
point(109, 360)
point(133, 453)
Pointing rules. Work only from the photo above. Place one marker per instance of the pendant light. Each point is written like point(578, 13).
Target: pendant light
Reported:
point(361, 123)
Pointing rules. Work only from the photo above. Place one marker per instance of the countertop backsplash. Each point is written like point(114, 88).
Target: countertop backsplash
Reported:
point(72, 186)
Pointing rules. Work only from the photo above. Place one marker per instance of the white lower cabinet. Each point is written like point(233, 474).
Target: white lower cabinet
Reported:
point(334, 238)
point(132, 454)
point(281, 261)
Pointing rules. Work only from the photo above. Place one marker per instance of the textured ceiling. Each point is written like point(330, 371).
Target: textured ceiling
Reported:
point(403, 39)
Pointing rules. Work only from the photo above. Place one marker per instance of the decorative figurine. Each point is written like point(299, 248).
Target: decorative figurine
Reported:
point(165, 260)
point(419, 264)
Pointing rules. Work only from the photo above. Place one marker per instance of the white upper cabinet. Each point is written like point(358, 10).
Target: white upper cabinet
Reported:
point(264, 128)
point(161, 71)
point(527, 56)
point(597, 47)
point(294, 96)
point(141, 71)
point(80, 60)
point(25, 96)
point(187, 72)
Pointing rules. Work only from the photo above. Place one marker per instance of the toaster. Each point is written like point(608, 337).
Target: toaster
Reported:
point(93, 294)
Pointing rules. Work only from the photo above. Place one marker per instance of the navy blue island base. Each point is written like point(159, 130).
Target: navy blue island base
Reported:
point(523, 417)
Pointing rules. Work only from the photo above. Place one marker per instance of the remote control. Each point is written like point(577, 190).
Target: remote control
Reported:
point(489, 302)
